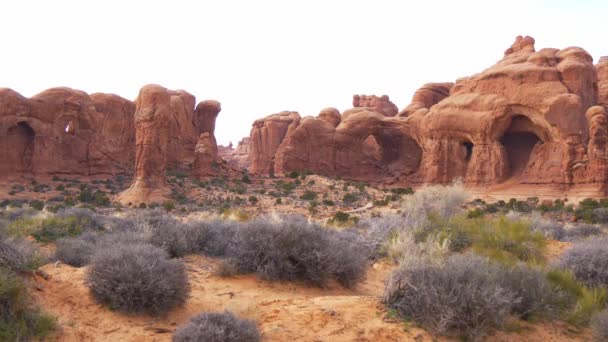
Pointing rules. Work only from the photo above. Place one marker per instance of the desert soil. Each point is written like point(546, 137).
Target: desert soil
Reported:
point(284, 311)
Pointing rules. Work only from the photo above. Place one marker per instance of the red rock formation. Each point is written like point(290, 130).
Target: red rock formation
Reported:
point(529, 119)
point(381, 104)
point(266, 136)
point(237, 158)
point(205, 156)
point(153, 114)
point(602, 75)
point(427, 96)
point(65, 131)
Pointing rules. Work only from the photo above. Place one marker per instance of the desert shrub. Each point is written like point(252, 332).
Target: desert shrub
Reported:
point(37, 204)
point(588, 261)
point(328, 203)
point(599, 326)
point(217, 327)
point(20, 255)
point(137, 278)
point(580, 302)
point(293, 249)
point(19, 320)
point(538, 298)
point(350, 198)
point(293, 174)
point(441, 201)
point(168, 205)
point(161, 230)
point(308, 195)
point(549, 228)
point(213, 238)
point(581, 232)
point(462, 296)
point(76, 251)
point(600, 215)
point(502, 239)
point(253, 200)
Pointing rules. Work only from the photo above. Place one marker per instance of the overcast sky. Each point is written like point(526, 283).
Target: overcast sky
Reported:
point(259, 57)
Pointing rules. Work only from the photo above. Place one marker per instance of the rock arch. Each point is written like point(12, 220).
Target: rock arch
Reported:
point(399, 152)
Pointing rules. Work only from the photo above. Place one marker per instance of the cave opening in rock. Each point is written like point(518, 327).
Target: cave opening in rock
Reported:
point(20, 141)
point(469, 150)
point(519, 141)
point(398, 152)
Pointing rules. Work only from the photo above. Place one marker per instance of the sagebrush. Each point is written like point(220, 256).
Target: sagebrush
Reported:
point(137, 278)
point(217, 327)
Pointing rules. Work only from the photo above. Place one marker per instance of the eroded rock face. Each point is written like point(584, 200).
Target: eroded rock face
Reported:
point(427, 96)
point(205, 156)
point(65, 131)
point(153, 115)
point(237, 158)
point(382, 104)
point(266, 136)
point(532, 118)
point(602, 75)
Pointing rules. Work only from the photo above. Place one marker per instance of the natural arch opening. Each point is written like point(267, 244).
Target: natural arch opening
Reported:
point(20, 147)
point(519, 141)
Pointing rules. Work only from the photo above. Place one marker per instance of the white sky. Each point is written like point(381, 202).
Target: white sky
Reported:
point(259, 57)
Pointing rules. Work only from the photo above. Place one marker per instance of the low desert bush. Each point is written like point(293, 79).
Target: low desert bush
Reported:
point(437, 200)
point(580, 302)
point(502, 239)
point(76, 251)
point(293, 249)
point(20, 255)
point(588, 261)
point(599, 326)
point(581, 232)
point(468, 295)
point(71, 222)
point(217, 327)
point(213, 238)
point(462, 296)
point(19, 320)
point(549, 228)
point(137, 278)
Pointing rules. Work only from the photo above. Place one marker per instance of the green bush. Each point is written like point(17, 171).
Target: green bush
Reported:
point(308, 195)
point(581, 302)
point(37, 204)
point(293, 174)
point(500, 239)
point(168, 205)
point(253, 199)
point(48, 229)
point(19, 320)
point(350, 198)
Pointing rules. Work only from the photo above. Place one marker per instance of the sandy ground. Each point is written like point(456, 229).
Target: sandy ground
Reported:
point(283, 311)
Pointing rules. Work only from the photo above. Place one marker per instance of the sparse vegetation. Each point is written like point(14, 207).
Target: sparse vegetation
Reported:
point(19, 319)
point(217, 327)
point(293, 249)
point(588, 261)
point(137, 278)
